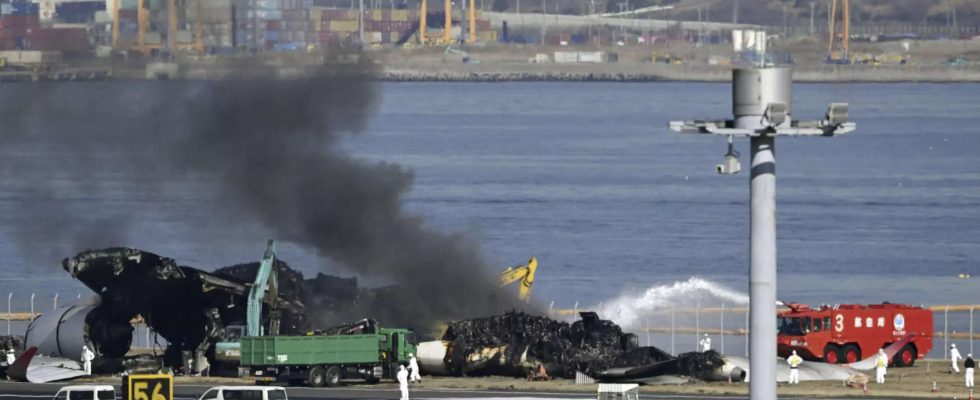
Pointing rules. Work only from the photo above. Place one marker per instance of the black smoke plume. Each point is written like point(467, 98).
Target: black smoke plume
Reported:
point(268, 147)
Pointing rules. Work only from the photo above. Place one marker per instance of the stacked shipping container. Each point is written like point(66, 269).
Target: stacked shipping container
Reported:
point(216, 21)
point(272, 24)
point(383, 25)
point(78, 12)
point(20, 29)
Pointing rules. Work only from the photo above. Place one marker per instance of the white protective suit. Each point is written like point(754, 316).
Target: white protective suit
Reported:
point(413, 369)
point(705, 343)
point(10, 357)
point(969, 365)
point(794, 362)
point(881, 366)
point(87, 357)
point(955, 357)
point(403, 381)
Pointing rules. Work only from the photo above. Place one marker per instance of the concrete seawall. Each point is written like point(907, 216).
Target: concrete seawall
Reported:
point(655, 72)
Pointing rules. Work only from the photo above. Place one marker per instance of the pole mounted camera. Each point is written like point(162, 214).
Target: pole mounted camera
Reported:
point(762, 105)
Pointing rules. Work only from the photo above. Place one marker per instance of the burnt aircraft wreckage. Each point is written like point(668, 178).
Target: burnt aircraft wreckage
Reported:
point(515, 343)
point(193, 311)
point(187, 307)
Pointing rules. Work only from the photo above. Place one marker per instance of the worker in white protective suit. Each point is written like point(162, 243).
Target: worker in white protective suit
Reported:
point(413, 369)
point(955, 357)
point(794, 362)
point(881, 366)
point(705, 343)
point(969, 366)
point(87, 357)
point(403, 381)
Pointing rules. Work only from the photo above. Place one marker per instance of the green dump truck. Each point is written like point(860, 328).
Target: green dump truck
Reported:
point(325, 360)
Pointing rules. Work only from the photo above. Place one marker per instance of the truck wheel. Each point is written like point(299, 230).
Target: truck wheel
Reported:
point(316, 378)
point(852, 354)
point(831, 354)
point(906, 356)
point(332, 376)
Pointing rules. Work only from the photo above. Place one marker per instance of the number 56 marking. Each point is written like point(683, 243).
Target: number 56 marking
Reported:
point(151, 387)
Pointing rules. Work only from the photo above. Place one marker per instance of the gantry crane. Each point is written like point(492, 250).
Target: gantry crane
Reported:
point(143, 24)
point(447, 35)
point(523, 273)
point(839, 41)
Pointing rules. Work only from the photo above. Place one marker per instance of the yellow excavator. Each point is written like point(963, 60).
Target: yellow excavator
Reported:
point(523, 273)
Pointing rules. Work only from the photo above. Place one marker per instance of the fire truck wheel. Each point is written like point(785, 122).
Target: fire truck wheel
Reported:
point(851, 353)
point(905, 357)
point(831, 354)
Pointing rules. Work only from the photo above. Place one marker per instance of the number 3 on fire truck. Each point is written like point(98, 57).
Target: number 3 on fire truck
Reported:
point(839, 323)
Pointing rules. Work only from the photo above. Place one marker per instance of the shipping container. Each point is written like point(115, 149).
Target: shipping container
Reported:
point(343, 26)
point(31, 57)
point(399, 15)
point(185, 37)
point(566, 57)
point(590, 56)
point(264, 5)
point(21, 8)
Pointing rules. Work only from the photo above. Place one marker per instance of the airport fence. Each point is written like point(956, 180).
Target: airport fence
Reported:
point(673, 329)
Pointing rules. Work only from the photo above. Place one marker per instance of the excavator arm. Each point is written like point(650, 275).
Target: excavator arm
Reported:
point(265, 280)
point(524, 274)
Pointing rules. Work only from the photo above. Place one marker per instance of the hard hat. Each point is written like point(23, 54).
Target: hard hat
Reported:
point(411, 355)
point(881, 351)
point(401, 367)
point(794, 352)
point(705, 335)
point(953, 345)
point(969, 355)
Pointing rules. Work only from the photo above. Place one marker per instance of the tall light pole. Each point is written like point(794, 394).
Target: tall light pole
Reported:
point(813, 7)
point(762, 109)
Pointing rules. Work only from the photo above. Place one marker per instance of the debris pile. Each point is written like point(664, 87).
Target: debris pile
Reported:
point(14, 342)
point(516, 342)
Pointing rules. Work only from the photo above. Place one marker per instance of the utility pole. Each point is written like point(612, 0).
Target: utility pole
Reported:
point(785, 27)
point(360, 23)
point(544, 20)
point(813, 6)
point(762, 109)
point(700, 27)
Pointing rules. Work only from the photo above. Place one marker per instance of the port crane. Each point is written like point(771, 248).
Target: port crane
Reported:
point(524, 274)
point(838, 44)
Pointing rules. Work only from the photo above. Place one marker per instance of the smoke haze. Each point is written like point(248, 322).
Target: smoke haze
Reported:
point(268, 148)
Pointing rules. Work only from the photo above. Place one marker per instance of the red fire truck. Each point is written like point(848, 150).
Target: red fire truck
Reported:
point(847, 333)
